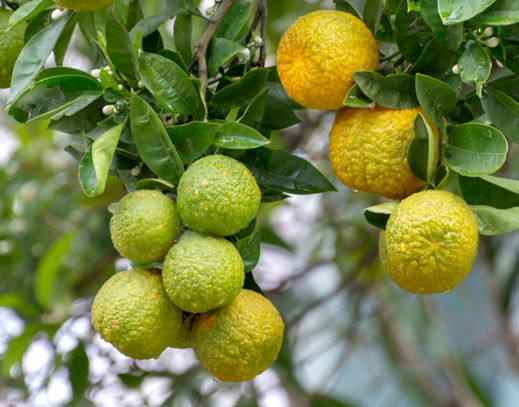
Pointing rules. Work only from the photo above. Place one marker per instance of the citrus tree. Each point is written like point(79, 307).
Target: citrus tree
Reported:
point(427, 92)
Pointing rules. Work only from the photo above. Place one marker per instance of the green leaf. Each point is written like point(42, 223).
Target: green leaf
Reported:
point(249, 249)
point(148, 25)
point(168, 83)
point(52, 95)
point(192, 139)
point(475, 149)
point(48, 268)
point(17, 302)
point(454, 11)
point(131, 380)
point(278, 114)
point(508, 84)
point(450, 36)
point(355, 98)
point(250, 284)
point(378, 215)
point(392, 91)
point(63, 43)
point(492, 221)
point(78, 370)
point(435, 60)
point(34, 55)
point(503, 112)
point(325, 401)
point(182, 31)
point(285, 172)
point(153, 142)
point(502, 12)
point(26, 11)
point(237, 136)
point(94, 166)
point(234, 20)
point(474, 64)
point(411, 31)
point(220, 52)
point(241, 92)
point(183, 7)
point(344, 5)
point(253, 115)
point(175, 57)
point(436, 97)
point(420, 155)
point(154, 183)
point(372, 13)
point(119, 46)
point(501, 193)
point(16, 348)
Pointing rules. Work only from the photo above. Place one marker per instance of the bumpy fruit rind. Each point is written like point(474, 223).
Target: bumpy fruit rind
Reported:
point(133, 312)
point(11, 44)
point(430, 242)
point(240, 340)
point(218, 195)
point(87, 5)
point(202, 272)
point(318, 54)
point(144, 226)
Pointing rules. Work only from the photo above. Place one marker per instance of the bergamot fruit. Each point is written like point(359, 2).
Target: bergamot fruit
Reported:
point(430, 243)
point(11, 44)
point(84, 4)
point(202, 272)
point(240, 340)
point(133, 312)
point(318, 54)
point(368, 150)
point(219, 195)
point(144, 225)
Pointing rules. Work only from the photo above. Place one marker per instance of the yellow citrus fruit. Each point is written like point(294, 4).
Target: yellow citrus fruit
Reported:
point(240, 340)
point(219, 195)
point(318, 54)
point(430, 243)
point(202, 272)
point(368, 150)
point(133, 312)
point(144, 225)
point(11, 44)
point(84, 4)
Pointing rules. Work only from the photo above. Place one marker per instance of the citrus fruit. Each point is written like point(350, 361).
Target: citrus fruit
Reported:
point(240, 340)
point(182, 338)
point(219, 195)
point(144, 225)
point(133, 312)
point(430, 243)
point(368, 150)
point(84, 4)
point(11, 44)
point(318, 54)
point(202, 272)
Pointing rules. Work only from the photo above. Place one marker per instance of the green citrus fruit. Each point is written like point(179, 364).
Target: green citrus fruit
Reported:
point(144, 226)
point(11, 44)
point(240, 340)
point(368, 150)
point(318, 54)
point(133, 312)
point(430, 243)
point(219, 195)
point(202, 272)
point(84, 4)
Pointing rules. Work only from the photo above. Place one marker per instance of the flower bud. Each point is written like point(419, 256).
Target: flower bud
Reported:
point(244, 55)
point(258, 41)
point(140, 84)
point(95, 73)
point(492, 42)
point(108, 110)
point(455, 70)
point(58, 13)
point(488, 32)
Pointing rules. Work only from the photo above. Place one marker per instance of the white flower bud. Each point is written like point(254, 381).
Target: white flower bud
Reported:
point(108, 110)
point(136, 171)
point(58, 13)
point(455, 70)
point(488, 32)
point(258, 41)
point(107, 68)
point(499, 64)
point(140, 84)
point(95, 73)
point(244, 55)
point(110, 72)
point(492, 42)
point(120, 87)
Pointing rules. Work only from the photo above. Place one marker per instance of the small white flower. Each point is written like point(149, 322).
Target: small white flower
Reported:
point(488, 32)
point(110, 72)
point(58, 13)
point(244, 55)
point(492, 42)
point(120, 87)
point(95, 73)
point(455, 70)
point(108, 110)
point(140, 84)
point(258, 41)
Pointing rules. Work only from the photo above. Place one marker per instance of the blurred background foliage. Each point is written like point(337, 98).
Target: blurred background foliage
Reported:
point(352, 337)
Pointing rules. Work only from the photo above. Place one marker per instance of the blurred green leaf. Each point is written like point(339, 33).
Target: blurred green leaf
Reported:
point(237, 136)
point(78, 370)
point(182, 32)
point(16, 348)
point(131, 380)
point(378, 215)
point(372, 13)
point(148, 25)
point(325, 401)
point(28, 10)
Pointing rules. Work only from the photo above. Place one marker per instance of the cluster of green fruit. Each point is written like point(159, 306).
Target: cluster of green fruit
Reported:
point(197, 300)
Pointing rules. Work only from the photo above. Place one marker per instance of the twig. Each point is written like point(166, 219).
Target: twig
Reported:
point(261, 13)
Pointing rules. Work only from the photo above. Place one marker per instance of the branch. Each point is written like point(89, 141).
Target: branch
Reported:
point(261, 13)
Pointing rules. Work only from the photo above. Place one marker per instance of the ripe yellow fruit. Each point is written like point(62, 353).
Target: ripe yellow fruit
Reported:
point(368, 150)
point(430, 243)
point(11, 44)
point(84, 4)
point(133, 312)
point(240, 340)
point(318, 54)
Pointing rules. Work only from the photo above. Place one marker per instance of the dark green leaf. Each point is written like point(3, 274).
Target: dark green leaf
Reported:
point(131, 380)
point(237, 136)
point(148, 25)
point(16, 348)
point(192, 139)
point(435, 60)
point(168, 83)
point(502, 12)
point(392, 91)
point(78, 370)
point(501, 193)
point(492, 221)
point(33, 56)
point(325, 401)
point(420, 155)
point(234, 20)
point(254, 113)
point(450, 36)
point(460, 10)
point(278, 114)
point(182, 31)
point(436, 97)
point(220, 52)
point(119, 46)
point(508, 84)
point(250, 284)
point(474, 64)
point(378, 215)
point(344, 5)
point(28, 10)
point(411, 31)
point(64, 40)
point(249, 249)
point(355, 98)
point(372, 13)
point(153, 142)
point(284, 172)
point(241, 92)
point(475, 149)
point(184, 7)
point(503, 112)
point(175, 57)
point(148, 183)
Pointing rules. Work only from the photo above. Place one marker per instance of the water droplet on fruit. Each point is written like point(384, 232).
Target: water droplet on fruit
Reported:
point(354, 191)
point(447, 292)
point(215, 379)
